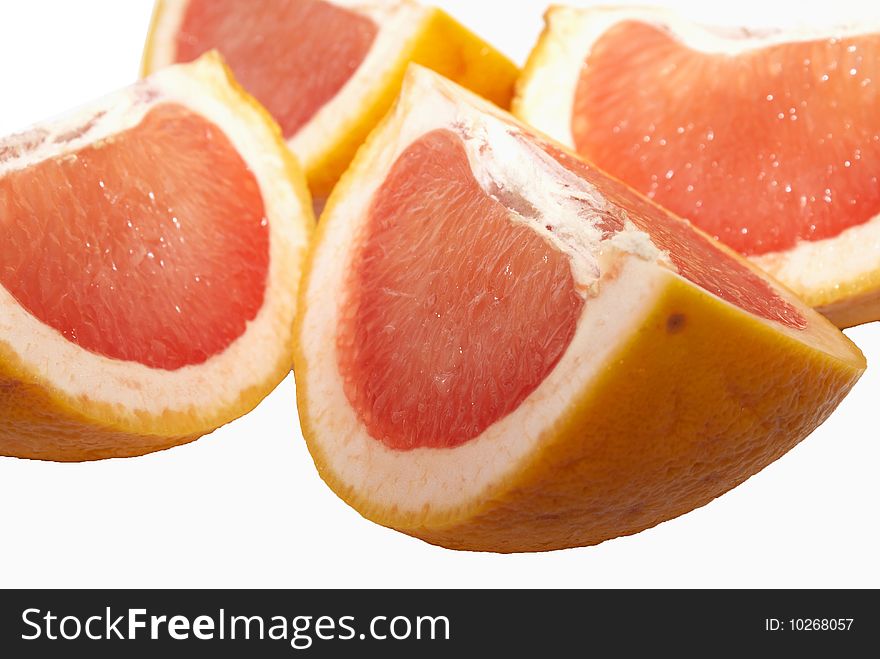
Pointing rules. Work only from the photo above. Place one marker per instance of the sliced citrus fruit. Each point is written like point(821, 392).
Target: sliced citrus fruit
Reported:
point(327, 71)
point(501, 348)
point(767, 142)
point(152, 246)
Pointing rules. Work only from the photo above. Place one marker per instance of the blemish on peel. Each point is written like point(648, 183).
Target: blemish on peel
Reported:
point(675, 323)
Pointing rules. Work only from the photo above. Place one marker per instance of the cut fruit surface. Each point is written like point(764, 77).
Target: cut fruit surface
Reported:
point(693, 254)
point(765, 142)
point(327, 71)
point(501, 348)
point(151, 240)
point(293, 77)
point(479, 329)
point(162, 263)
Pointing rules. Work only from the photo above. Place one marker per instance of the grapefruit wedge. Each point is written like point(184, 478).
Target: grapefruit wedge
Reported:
point(152, 246)
point(768, 142)
point(501, 348)
point(327, 71)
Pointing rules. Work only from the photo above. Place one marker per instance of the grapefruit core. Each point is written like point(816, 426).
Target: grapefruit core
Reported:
point(327, 71)
point(765, 142)
point(501, 348)
point(151, 240)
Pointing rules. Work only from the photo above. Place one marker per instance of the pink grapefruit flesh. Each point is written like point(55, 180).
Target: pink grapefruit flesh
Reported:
point(151, 246)
point(292, 55)
point(693, 254)
point(455, 313)
point(761, 150)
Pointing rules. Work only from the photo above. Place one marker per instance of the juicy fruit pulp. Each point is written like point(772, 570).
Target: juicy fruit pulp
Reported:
point(150, 246)
point(292, 55)
point(694, 256)
point(760, 149)
point(455, 312)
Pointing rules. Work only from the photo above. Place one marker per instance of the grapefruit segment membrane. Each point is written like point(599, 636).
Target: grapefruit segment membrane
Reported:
point(152, 249)
point(764, 141)
point(501, 348)
point(693, 254)
point(327, 71)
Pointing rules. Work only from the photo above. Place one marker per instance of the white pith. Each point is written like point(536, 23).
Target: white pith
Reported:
point(816, 270)
point(200, 389)
point(398, 23)
point(626, 275)
point(506, 168)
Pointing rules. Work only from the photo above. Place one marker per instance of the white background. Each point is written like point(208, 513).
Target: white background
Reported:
point(245, 507)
